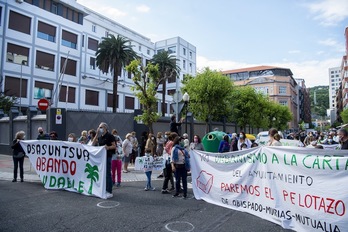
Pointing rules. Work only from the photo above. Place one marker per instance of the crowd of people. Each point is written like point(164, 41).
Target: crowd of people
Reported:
point(173, 147)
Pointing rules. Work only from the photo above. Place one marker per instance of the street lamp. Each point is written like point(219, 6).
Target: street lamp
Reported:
point(186, 99)
point(20, 86)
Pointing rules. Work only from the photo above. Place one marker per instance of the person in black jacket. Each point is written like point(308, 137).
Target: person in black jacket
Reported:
point(18, 156)
point(174, 125)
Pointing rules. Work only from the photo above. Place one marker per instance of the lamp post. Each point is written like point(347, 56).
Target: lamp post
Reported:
point(20, 86)
point(186, 99)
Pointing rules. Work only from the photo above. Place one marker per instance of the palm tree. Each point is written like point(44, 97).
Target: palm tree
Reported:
point(92, 174)
point(167, 68)
point(114, 53)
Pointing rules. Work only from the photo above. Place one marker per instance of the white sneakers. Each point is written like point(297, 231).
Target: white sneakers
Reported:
point(109, 195)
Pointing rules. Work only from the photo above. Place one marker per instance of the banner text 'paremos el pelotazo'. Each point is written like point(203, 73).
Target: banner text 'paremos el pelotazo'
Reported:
point(298, 188)
point(71, 166)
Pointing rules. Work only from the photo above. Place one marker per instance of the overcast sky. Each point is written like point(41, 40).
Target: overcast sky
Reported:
point(306, 36)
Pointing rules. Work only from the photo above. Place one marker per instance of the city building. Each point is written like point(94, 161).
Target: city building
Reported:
point(334, 83)
point(342, 91)
point(48, 49)
point(303, 101)
point(277, 83)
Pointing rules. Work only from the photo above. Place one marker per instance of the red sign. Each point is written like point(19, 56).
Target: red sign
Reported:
point(43, 104)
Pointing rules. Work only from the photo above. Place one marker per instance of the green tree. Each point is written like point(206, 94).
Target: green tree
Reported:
point(279, 116)
point(344, 116)
point(210, 95)
point(145, 79)
point(6, 102)
point(114, 53)
point(93, 174)
point(168, 69)
point(319, 97)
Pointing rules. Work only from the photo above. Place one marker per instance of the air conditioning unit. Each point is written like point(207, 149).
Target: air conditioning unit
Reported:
point(19, 1)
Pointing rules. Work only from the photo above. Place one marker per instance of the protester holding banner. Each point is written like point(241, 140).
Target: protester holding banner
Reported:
point(91, 135)
point(42, 135)
point(127, 151)
point(72, 137)
point(180, 162)
point(243, 139)
point(274, 138)
point(343, 135)
point(197, 143)
point(224, 145)
point(18, 156)
point(148, 166)
point(107, 140)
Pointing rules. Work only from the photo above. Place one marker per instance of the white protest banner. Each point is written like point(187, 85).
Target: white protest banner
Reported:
point(158, 163)
point(70, 166)
point(298, 188)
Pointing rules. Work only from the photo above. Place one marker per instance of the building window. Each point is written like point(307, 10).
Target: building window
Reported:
point(69, 39)
point(92, 44)
point(12, 87)
point(67, 94)
point(184, 51)
point(283, 102)
point(129, 104)
point(139, 48)
point(19, 22)
point(94, 28)
point(184, 64)
point(70, 67)
point(44, 61)
point(83, 40)
point(46, 32)
point(106, 34)
point(42, 90)
point(148, 51)
point(17, 54)
point(92, 63)
point(92, 97)
point(190, 67)
point(54, 8)
point(190, 54)
point(282, 89)
point(172, 50)
point(160, 50)
point(110, 100)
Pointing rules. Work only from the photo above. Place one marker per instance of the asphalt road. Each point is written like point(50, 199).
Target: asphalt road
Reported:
point(29, 207)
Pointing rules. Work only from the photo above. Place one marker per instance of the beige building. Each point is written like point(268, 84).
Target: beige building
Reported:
point(277, 83)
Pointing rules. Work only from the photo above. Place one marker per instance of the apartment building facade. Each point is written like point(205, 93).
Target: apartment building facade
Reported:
point(277, 83)
point(334, 84)
point(48, 50)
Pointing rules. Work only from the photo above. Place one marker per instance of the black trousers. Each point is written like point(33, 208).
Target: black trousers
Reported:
point(168, 176)
point(17, 161)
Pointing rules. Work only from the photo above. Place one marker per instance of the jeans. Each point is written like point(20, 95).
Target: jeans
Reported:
point(148, 175)
point(15, 170)
point(181, 173)
point(116, 168)
point(108, 175)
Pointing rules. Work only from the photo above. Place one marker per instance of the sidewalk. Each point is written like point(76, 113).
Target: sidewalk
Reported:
point(6, 171)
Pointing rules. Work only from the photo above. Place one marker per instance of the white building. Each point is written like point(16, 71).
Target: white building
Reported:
point(36, 37)
point(334, 84)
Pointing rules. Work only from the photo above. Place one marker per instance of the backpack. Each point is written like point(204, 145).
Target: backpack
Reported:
point(226, 147)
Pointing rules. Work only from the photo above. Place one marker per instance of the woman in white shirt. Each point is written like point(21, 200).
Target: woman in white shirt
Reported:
point(127, 151)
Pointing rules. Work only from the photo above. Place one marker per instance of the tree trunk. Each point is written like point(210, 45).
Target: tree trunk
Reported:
point(164, 86)
point(117, 71)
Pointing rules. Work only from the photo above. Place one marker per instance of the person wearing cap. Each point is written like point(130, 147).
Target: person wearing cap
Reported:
point(107, 140)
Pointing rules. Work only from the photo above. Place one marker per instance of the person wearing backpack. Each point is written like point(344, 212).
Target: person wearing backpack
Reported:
point(224, 144)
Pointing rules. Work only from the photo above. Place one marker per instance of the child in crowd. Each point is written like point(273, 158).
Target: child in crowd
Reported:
point(148, 165)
